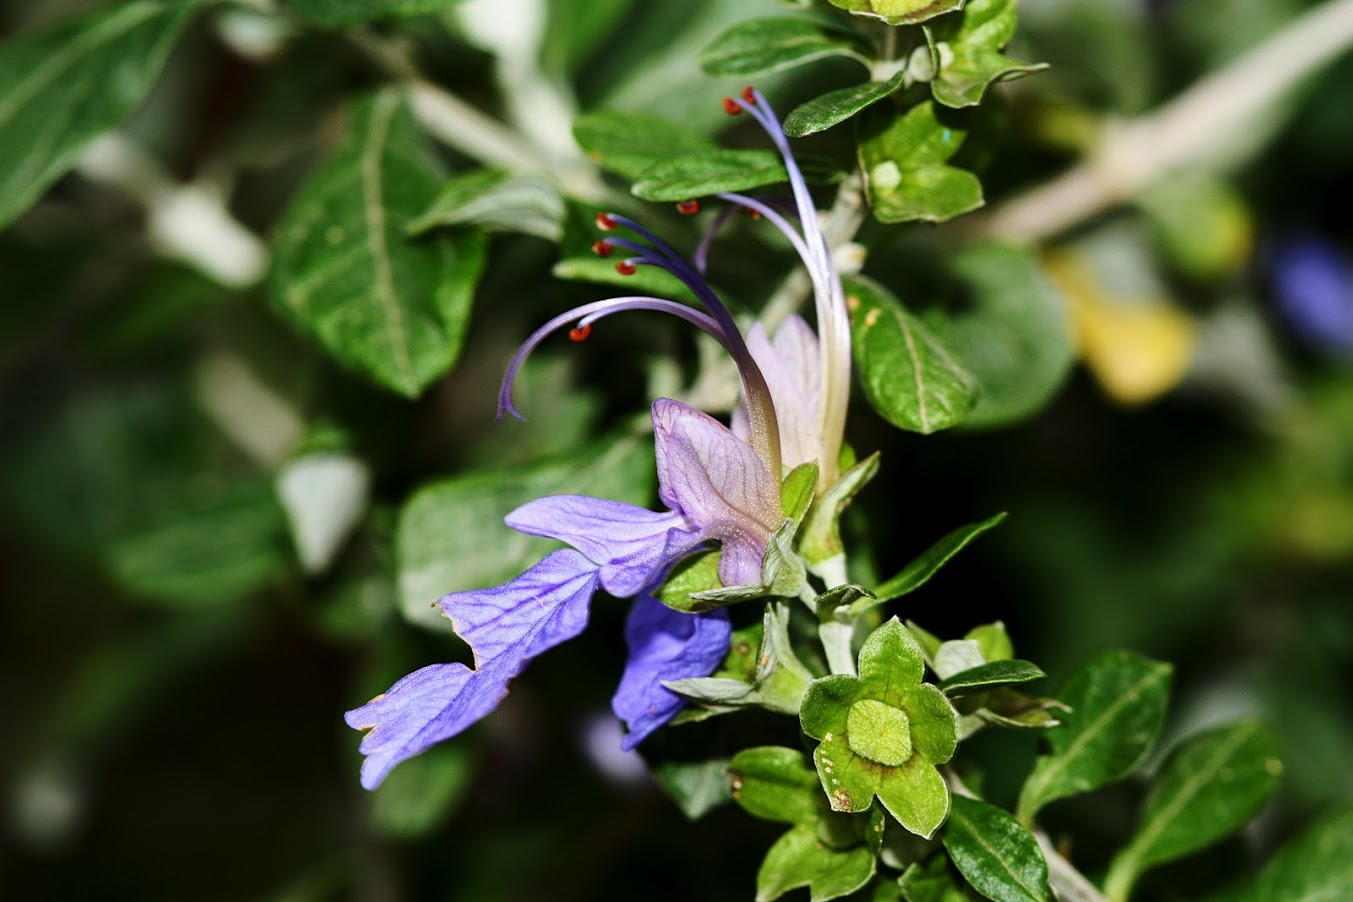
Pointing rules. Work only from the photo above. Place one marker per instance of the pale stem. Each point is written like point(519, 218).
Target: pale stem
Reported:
point(1206, 116)
point(462, 127)
point(1069, 883)
point(186, 222)
point(837, 640)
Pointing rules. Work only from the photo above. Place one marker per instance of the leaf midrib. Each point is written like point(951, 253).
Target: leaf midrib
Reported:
point(382, 113)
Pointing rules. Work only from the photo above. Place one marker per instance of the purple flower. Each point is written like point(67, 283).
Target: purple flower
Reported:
point(718, 486)
point(664, 645)
point(1314, 287)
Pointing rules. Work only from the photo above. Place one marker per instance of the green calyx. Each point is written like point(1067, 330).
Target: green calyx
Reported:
point(881, 734)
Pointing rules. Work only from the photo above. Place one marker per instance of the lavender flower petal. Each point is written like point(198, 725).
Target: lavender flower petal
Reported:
point(793, 370)
point(664, 645)
point(422, 709)
point(631, 545)
point(544, 606)
point(719, 483)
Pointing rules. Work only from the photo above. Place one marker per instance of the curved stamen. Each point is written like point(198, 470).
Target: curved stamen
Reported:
point(765, 429)
point(775, 219)
point(587, 314)
point(701, 256)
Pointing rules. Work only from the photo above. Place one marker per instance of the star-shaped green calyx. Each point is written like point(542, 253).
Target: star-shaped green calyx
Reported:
point(882, 733)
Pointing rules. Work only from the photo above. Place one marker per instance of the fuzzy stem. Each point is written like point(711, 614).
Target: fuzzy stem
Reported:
point(1068, 882)
point(837, 640)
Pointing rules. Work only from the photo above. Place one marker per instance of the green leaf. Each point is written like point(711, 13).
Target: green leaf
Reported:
point(345, 271)
point(1008, 708)
point(335, 13)
point(910, 378)
point(209, 553)
point(899, 12)
point(770, 45)
point(955, 656)
point(992, 673)
point(776, 784)
point(496, 201)
point(973, 39)
point(835, 107)
point(449, 535)
point(697, 787)
point(70, 82)
point(820, 537)
point(835, 603)
point(715, 692)
point(629, 143)
point(928, 563)
point(934, 880)
point(1210, 787)
point(778, 681)
point(682, 177)
point(799, 859)
point(1015, 341)
point(1117, 703)
point(1315, 867)
point(796, 493)
point(992, 637)
point(418, 797)
point(905, 163)
point(1200, 223)
point(697, 574)
point(995, 853)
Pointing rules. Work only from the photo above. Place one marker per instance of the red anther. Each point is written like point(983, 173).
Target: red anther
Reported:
point(602, 248)
point(580, 333)
point(625, 268)
point(753, 215)
point(749, 95)
point(605, 222)
point(730, 106)
point(688, 207)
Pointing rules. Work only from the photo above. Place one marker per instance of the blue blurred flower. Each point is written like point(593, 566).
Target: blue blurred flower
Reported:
point(1313, 284)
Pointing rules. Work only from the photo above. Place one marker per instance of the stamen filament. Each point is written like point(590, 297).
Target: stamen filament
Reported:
point(584, 316)
point(833, 321)
point(764, 426)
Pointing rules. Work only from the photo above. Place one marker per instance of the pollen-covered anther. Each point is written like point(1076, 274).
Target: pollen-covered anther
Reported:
point(625, 268)
point(749, 95)
point(730, 106)
point(605, 222)
point(688, 207)
point(602, 248)
point(580, 333)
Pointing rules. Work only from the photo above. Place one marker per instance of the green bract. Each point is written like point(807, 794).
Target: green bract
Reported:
point(899, 12)
point(882, 733)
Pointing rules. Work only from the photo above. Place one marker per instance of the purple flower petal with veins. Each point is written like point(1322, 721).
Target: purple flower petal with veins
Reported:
point(544, 606)
point(422, 709)
point(664, 645)
point(632, 546)
point(717, 480)
point(505, 626)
